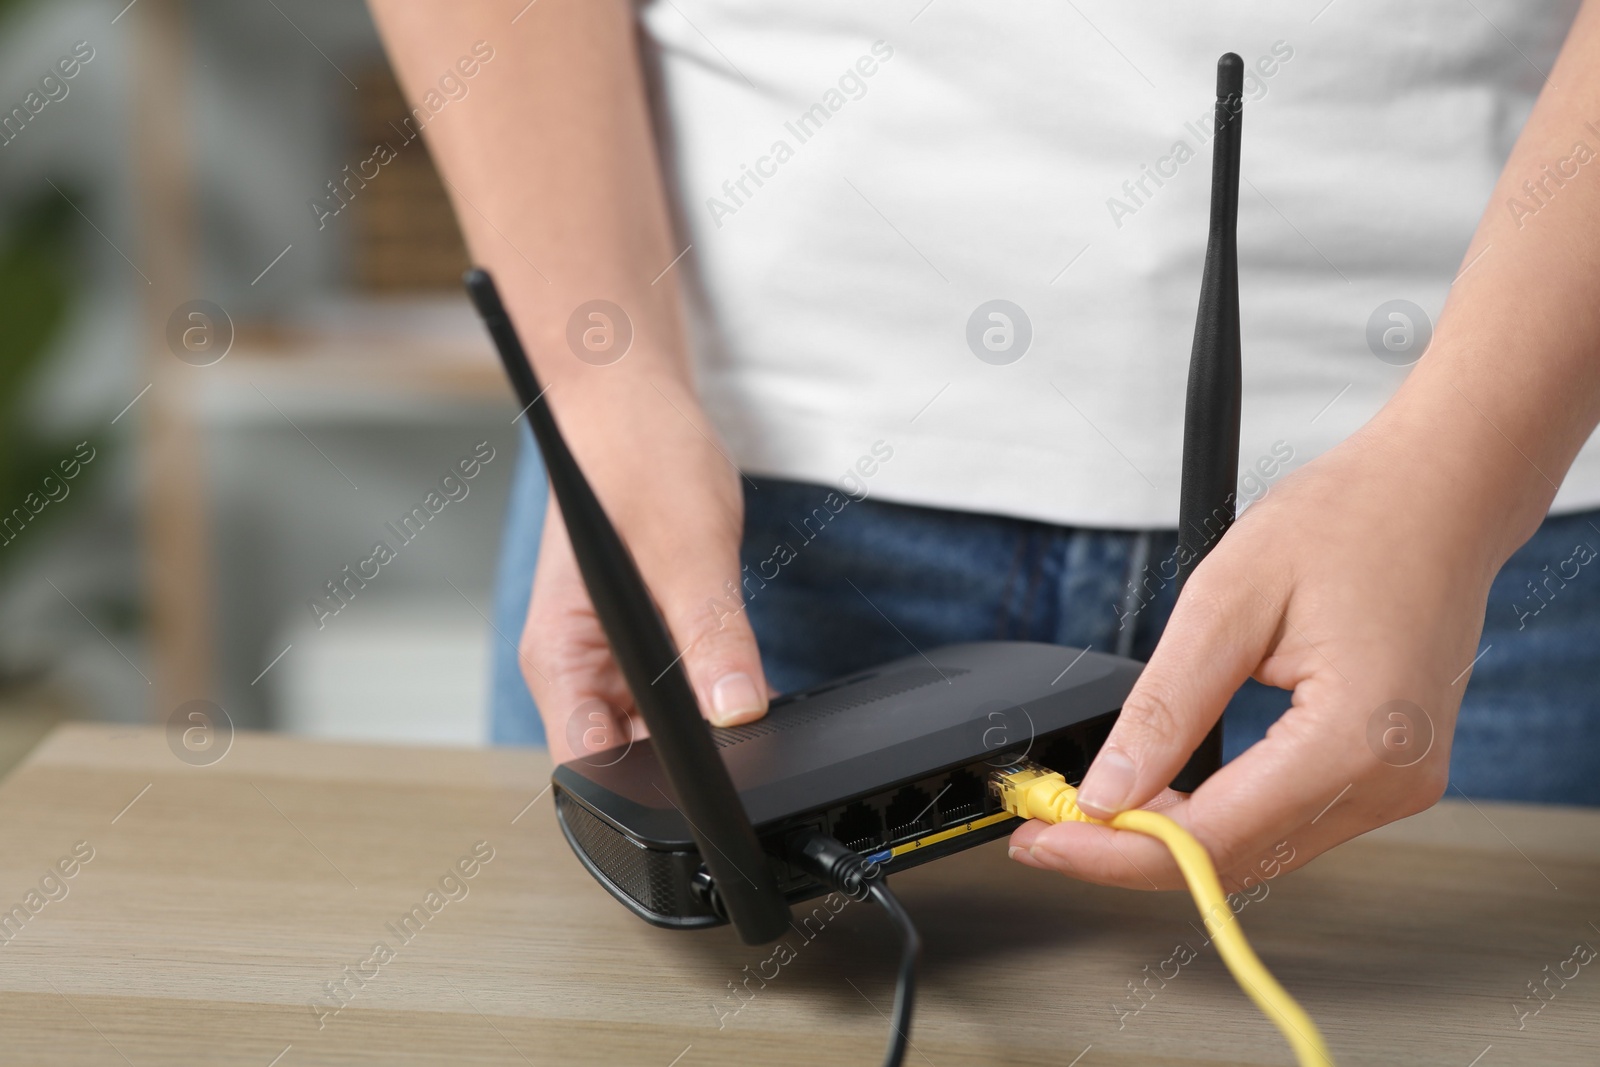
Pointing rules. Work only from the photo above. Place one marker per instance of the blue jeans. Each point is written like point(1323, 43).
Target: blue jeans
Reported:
point(878, 581)
point(513, 718)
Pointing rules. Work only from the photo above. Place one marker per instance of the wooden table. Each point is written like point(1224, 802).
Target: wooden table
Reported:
point(221, 901)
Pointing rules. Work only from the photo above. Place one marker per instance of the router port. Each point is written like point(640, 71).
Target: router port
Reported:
point(961, 799)
point(1066, 756)
point(909, 814)
point(858, 827)
point(1095, 734)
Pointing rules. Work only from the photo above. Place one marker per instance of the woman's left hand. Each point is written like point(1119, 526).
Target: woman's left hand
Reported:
point(1359, 584)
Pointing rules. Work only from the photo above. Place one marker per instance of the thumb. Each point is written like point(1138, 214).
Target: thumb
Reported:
point(1218, 633)
point(704, 610)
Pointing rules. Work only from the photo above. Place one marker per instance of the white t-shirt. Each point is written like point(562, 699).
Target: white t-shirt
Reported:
point(860, 179)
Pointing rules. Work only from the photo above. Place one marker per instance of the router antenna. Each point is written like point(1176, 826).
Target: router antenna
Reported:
point(1206, 497)
point(644, 650)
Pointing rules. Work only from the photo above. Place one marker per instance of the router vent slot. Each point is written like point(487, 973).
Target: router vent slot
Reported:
point(643, 874)
point(801, 712)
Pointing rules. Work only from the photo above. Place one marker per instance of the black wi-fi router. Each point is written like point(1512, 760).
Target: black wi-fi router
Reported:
point(694, 826)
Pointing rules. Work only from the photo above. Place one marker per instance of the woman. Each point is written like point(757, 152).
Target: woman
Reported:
point(940, 261)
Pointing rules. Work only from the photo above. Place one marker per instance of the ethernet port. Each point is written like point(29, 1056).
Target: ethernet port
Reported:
point(961, 799)
point(910, 814)
point(858, 827)
point(1095, 734)
point(1065, 754)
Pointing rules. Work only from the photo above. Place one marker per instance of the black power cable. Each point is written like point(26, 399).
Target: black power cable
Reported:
point(848, 872)
point(906, 985)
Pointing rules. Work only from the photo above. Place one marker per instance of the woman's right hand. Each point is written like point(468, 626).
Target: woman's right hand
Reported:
point(556, 179)
point(677, 502)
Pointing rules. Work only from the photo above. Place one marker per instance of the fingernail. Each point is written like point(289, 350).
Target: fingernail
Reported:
point(1011, 853)
point(734, 699)
point(1107, 785)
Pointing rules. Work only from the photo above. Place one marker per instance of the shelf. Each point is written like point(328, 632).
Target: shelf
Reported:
point(407, 359)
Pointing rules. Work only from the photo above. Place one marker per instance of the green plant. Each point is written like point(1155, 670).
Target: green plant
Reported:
point(35, 298)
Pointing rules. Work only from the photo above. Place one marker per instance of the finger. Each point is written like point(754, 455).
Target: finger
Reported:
point(1219, 632)
point(1130, 860)
point(1090, 852)
point(704, 609)
point(1300, 791)
point(1099, 854)
point(565, 659)
point(1312, 782)
point(684, 533)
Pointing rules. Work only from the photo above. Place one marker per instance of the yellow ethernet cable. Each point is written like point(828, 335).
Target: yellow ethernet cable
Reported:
point(1030, 791)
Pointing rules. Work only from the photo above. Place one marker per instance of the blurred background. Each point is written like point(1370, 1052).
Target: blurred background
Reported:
point(216, 396)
